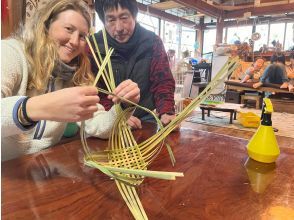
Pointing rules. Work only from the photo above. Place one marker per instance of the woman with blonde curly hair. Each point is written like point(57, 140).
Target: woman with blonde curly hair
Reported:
point(46, 81)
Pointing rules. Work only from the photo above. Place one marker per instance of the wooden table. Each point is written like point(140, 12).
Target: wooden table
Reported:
point(54, 184)
point(233, 112)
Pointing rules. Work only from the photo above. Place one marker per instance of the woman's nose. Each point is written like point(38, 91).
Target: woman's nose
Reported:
point(74, 39)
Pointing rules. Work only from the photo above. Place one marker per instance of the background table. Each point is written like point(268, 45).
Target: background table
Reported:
point(224, 107)
point(54, 184)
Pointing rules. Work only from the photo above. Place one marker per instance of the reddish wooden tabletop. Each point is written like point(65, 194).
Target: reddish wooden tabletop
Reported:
point(54, 184)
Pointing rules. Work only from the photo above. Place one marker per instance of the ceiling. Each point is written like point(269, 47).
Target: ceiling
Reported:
point(192, 11)
point(196, 12)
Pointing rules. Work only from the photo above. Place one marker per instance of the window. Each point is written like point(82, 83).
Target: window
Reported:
point(263, 30)
point(241, 34)
point(170, 36)
point(276, 33)
point(149, 22)
point(209, 38)
point(188, 39)
point(289, 41)
point(98, 23)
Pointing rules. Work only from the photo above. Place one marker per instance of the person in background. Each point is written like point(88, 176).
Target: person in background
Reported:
point(184, 64)
point(290, 73)
point(171, 55)
point(46, 77)
point(138, 55)
point(253, 72)
point(275, 73)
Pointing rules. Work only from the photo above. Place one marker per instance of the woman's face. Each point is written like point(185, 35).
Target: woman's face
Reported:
point(69, 31)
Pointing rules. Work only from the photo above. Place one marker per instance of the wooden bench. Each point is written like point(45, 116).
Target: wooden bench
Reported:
point(232, 111)
point(266, 87)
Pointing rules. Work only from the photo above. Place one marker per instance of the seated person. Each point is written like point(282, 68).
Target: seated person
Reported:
point(184, 64)
point(290, 73)
point(253, 71)
point(274, 73)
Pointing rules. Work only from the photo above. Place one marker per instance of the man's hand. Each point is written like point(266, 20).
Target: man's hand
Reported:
point(134, 122)
point(165, 118)
point(128, 90)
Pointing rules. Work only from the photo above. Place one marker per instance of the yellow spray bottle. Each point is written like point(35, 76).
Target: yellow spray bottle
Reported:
point(263, 146)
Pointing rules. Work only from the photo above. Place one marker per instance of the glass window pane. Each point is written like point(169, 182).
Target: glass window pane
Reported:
point(171, 36)
point(209, 38)
point(263, 30)
point(149, 22)
point(276, 33)
point(188, 39)
point(241, 34)
point(98, 23)
point(289, 41)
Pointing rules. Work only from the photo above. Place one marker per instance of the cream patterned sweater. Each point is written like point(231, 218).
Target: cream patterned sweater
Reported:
point(15, 139)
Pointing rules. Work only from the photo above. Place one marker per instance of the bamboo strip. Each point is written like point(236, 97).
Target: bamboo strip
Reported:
point(127, 160)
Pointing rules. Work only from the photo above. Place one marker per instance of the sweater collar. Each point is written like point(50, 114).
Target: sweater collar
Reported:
point(126, 49)
point(63, 71)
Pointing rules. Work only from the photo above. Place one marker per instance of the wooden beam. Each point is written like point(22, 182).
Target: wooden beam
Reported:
point(219, 31)
point(267, 10)
point(202, 7)
point(166, 5)
point(263, 4)
point(265, 20)
point(166, 16)
point(231, 7)
point(193, 16)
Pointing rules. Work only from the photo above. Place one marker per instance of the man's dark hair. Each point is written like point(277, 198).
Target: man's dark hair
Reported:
point(101, 6)
point(281, 58)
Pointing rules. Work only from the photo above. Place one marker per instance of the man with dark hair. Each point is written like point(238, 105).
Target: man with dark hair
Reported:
point(138, 55)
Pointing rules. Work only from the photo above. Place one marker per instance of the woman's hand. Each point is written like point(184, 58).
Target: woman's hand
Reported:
point(128, 90)
point(65, 105)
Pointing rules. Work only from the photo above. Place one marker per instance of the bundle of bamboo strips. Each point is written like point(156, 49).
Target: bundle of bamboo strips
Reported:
point(126, 161)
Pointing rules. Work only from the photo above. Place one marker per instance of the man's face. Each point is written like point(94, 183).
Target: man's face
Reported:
point(120, 24)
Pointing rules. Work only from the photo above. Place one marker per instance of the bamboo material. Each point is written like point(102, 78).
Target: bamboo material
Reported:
point(125, 160)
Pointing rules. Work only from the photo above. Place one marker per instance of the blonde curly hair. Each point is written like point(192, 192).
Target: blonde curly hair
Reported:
point(41, 51)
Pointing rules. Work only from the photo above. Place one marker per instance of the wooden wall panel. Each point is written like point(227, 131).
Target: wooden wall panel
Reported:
point(13, 16)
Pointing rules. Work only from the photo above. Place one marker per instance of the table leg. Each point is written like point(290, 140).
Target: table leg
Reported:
point(203, 114)
point(231, 117)
point(208, 113)
point(235, 115)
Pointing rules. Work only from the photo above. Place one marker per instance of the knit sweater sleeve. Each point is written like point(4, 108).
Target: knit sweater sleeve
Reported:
point(101, 124)
point(162, 81)
point(13, 86)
